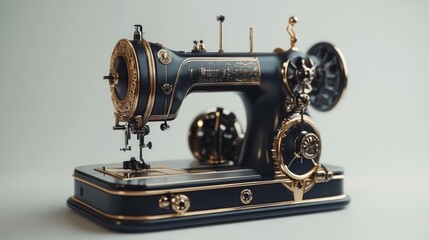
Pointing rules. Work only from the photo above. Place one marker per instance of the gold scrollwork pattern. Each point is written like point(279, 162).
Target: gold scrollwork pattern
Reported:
point(126, 107)
point(223, 71)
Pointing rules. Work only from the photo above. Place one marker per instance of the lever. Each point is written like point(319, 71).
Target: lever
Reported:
point(127, 135)
point(113, 81)
point(292, 21)
point(140, 136)
point(109, 77)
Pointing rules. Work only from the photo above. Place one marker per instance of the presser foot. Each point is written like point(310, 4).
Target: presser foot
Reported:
point(133, 164)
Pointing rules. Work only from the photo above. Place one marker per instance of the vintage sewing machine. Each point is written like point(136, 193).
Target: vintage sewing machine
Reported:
point(271, 169)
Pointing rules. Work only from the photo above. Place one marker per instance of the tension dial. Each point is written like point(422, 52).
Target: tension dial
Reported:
point(297, 147)
point(215, 137)
point(330, 78)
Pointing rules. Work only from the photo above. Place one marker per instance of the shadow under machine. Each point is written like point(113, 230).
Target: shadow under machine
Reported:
point(270, 169)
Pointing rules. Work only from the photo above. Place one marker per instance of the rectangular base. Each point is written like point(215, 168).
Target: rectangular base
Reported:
point(214, 195)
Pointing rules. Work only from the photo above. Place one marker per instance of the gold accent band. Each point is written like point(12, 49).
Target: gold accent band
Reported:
point(284, 77)
point(344, 68)
point(152, 80)
point(281, 180)
point(162, 117)
point(202, 212)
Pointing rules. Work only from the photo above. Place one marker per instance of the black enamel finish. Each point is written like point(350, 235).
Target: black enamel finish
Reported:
point(144, 79)
point(121, 69)
point(263, 102)
point(330, 78)
point(215, 195)
point(201, 199)
point(195, 221)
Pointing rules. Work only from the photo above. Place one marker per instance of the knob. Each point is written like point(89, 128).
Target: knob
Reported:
point(113, 79)
point(309, 145)
point(246, 196)
point(180, 203)
point(198, 47)
point(195, 47)
point(138, 32)
point(164, 126)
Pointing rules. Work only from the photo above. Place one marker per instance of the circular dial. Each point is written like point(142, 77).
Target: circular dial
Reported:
point(297, 147)
point(330, 78)
point(215, 136)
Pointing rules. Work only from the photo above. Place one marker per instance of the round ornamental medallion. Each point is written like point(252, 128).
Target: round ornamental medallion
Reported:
point(125, 85)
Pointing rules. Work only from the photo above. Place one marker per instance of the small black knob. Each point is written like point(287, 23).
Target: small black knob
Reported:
point(164, 126)
point(221, 18)
point(119, 127)
point(124, 149)
point(109, 77)
point(146, 130)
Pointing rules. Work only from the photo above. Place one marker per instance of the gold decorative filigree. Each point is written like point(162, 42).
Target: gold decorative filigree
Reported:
point(126, 107)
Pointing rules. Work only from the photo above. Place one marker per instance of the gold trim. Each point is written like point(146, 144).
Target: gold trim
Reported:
point(279, 174)
point(284, 77)
point(280, 180)
point(126, 107)
point(224, 84)
point(337, 177)
point(152, 80)
point(202, 212)
point(162, 117)
point(161, 171)
point(298, 188)
point(343, 66)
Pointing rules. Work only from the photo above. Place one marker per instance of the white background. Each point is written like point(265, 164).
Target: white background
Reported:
point(56, 111)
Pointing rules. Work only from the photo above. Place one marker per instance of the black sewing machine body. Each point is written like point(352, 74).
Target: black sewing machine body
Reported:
point(270, 170)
